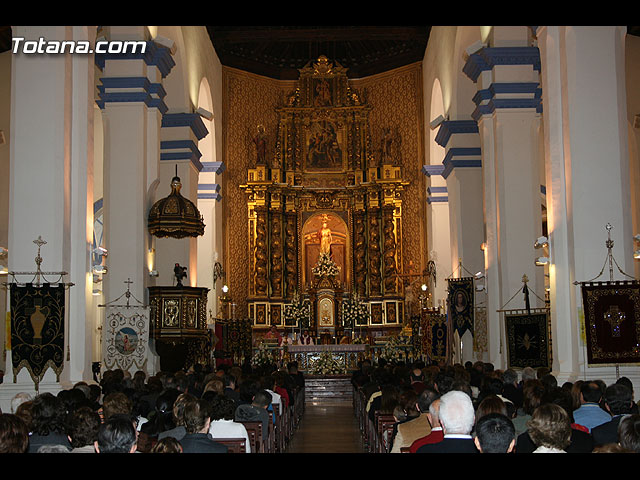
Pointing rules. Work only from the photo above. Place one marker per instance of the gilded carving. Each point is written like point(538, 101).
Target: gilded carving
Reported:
point(261, 254)
point(374, 254)
point(359, 241)
point(390, 269)
point(276, 255)
point(290, 249)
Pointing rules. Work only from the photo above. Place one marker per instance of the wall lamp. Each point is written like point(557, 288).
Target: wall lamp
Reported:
point(541, 242)
point(540, 261)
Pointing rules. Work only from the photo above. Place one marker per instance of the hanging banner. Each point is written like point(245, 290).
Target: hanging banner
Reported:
point(461, 304)
point(480, 342)
point(126, 338)
point(37, 329)
point(612, 322)
point(528, 342)
point(436, 339)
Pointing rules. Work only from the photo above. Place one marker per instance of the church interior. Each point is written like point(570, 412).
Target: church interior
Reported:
point(445, 193)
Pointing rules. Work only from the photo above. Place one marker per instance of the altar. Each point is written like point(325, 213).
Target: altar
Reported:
point(347, 356)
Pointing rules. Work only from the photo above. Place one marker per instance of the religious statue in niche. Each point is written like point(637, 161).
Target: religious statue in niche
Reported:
point(323, 147)
point(260, 141)
point(325, 242)
point(325, 237)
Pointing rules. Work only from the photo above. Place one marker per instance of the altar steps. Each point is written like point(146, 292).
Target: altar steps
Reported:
point(328, 388)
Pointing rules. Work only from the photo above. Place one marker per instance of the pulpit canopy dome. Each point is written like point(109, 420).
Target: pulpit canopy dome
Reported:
point(175, 216)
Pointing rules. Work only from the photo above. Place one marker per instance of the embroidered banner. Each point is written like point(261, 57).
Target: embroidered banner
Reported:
point(480, 342)
point(126, 338)
point(612, 322)
point(436, 338)
point(528, 343)
point(461, 304)
point(37, 329)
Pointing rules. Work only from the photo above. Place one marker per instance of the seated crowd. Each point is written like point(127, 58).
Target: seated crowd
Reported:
point(182, 412)
point(477, 409)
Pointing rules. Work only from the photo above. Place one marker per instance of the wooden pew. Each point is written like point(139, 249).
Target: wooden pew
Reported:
point(235, 445)
point(254, 429)
point(384, 430)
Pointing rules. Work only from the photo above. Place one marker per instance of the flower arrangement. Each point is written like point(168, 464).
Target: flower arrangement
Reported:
point(297, 313)
point(354, 312)
point(261, 357)
point(325, 267)
point(327, 365)
point(393, 350)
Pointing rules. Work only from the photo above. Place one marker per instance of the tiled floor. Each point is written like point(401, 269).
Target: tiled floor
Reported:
point(327, 426)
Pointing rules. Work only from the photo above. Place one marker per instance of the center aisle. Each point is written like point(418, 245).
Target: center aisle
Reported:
point(327, 426)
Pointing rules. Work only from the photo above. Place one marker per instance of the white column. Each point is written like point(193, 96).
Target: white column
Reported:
point(508, 120)
point(50, 184)
point(587, 165)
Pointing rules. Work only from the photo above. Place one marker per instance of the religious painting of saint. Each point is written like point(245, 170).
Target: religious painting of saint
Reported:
point(126, 341)
point(323, 147)
point(461, 308)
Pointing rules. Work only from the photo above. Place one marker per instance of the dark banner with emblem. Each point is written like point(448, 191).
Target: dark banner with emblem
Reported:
point(461, 304)
point(612, 322)
point(233, 339)
point(37, 328)
point(435, 338)
point(528, 342)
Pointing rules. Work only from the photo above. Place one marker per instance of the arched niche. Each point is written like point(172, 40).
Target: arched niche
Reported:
point(311, 239)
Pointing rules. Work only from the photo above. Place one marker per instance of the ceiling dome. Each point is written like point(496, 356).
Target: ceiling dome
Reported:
point(175, 216)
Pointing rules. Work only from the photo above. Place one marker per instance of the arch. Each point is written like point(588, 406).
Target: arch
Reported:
point(340, 250)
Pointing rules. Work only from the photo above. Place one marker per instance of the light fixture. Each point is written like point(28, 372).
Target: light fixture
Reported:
point(479, 275)
point(99, 269)
point(540, 261)
point(205, 113)
point(103, 252)
point(480, 288)
point(225, 289)
point(166, 42)
point(435, 123)
point(424, 287)
point(541, 242)
point(474, 47)
point(153, 273)
point(636, 254)
point(96, 292)
point(483, 246)
point(3, 270)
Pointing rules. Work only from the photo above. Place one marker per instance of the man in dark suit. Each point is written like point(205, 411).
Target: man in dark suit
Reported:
point(196, 422)
point(457, 418)
point(618, 401)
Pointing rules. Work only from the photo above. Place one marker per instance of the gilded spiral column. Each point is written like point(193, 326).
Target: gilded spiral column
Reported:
point(260, 271)
point(375, 281)
point(389, 252)
point(276, 255)
point(291, 254)
point(359, 253)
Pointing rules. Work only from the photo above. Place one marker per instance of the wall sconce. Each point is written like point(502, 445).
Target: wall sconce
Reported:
point(3, 270)
point(153, 273)
point(99, 269)
point(540, 261)
point(541, 242)
point(479, 275)
point(103, 252)
point(435, 123)
point(225, 289)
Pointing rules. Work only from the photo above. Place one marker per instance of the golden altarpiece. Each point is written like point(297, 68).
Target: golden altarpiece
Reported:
point(323, 191)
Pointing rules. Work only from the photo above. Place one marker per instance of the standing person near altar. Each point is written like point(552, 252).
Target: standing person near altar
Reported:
point(273, 333)
point(306, 339)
